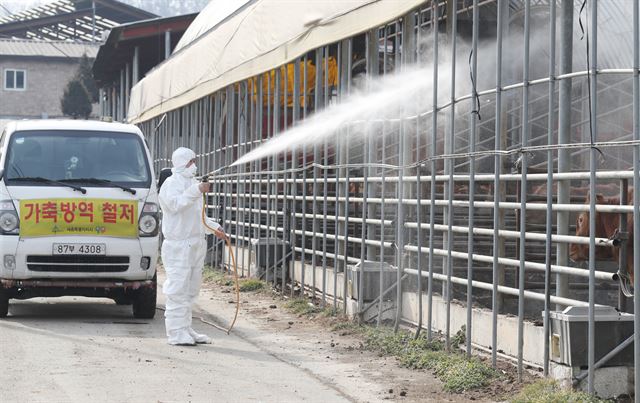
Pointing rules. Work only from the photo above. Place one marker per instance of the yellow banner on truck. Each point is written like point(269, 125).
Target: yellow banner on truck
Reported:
point(90, 217)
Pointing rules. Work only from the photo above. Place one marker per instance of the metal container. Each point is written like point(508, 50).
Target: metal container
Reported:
point(371, 277)
point(569, 336)
point(266, 255)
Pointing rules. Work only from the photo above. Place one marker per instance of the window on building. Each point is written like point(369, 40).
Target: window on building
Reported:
point(15, 80)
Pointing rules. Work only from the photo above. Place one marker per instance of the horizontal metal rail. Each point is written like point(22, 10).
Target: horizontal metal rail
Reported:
point(501, 288)
point(600, 275)
point(426, 178)
point(576, 208)
point(532, 236)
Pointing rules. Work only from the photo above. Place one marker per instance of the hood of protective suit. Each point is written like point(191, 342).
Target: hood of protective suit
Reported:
point(180, 158)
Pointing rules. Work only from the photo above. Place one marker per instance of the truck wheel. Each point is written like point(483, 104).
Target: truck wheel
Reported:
point(144, 303)
point(4, 303)
point(122, 301)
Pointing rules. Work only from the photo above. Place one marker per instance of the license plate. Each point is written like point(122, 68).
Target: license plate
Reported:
point(79, 249)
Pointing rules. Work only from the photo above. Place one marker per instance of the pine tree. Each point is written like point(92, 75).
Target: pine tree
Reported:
point(85, 74)
point(75, 101)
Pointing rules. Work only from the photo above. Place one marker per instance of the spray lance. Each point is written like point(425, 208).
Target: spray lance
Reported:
point(205, 179)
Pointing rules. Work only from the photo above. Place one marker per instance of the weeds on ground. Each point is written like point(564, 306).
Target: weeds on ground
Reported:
point(548, 391)
point(251, 284)
point(213, 275)
point(455, 370)
point(302, 307)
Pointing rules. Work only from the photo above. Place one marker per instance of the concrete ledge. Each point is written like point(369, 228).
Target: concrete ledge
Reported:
point(609, 382)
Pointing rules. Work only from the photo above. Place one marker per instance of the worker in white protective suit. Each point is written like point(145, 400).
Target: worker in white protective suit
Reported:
point(184, 246)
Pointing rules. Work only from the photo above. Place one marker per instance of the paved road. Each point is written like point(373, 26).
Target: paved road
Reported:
point(88, 350)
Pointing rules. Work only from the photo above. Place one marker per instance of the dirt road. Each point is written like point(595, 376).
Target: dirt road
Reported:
point(88, 350)
point(79, 350)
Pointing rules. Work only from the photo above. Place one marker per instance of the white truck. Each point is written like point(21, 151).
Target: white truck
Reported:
point(79, 213)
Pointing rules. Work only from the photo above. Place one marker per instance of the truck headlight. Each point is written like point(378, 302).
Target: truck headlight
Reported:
point(10, 262)
point(9, 221)
point(149, 220)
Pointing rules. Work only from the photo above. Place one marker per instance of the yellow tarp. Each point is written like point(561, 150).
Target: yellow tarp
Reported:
point(90, 217)
point(269, 82)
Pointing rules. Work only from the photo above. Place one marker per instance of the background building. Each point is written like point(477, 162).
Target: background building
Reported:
point(40, 51)
point(34, 75)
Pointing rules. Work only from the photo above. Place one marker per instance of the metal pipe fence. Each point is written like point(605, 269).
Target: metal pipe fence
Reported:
point(466, 191)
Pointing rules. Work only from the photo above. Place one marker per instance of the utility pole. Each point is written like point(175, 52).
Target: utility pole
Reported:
point(93, 21)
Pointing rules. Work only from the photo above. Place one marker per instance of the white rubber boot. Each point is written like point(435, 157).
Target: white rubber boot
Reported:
point(199, 338)
point(181, 337)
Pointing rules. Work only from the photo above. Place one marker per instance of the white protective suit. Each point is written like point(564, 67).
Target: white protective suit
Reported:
point(184, 247)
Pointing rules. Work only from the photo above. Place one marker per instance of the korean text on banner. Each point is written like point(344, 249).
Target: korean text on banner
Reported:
point(96, 217)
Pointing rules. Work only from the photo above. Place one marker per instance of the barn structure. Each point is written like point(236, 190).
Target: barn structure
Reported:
point(431, 162)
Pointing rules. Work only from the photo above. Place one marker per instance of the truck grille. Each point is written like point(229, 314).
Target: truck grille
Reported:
point(78, 263)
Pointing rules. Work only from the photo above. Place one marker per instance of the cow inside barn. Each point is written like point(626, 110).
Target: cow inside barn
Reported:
point(607, 226)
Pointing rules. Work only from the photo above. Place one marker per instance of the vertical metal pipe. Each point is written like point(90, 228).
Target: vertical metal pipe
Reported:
point(127, 88)
point(294, 164)
point(636, 199)
point(564, 137)
point(275, 165)
point(255, 167)
point(502, 7)
point(135, 74)
point(121, 98)
point(167, 44)
point(268, 249)
point(285, 202)
point(472, 171)
point(418, 188)
point(259, 163)
point(319, 89)
point(237, 140)
point(345, 159)
point(228, 154)
point(453, 16)
point(366, 146)
point(303, 238)
point(593, 30)
point(324, 183)
point(434, 146)
point(93, 21)
point(374, 71)
point(549, 214)
point(245, 132)
point(406, 26)
point(382, 192)
point(523, 184)
point(336, 209)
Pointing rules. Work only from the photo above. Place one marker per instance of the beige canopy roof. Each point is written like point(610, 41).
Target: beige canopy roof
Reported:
point(256, 36)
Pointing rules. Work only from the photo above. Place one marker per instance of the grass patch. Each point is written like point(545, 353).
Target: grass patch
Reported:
point(330, 312)
point(347, 327)
point(212, 275)
point(251, 284)
point(302, 307)
point(455, 370)
point(460, 373)
point(548, 391)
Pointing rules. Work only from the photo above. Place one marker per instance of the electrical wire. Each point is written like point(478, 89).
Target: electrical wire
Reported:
point(585, 35)
point(474, 90)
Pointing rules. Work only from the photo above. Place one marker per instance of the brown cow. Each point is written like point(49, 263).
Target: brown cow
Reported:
point(607, 226)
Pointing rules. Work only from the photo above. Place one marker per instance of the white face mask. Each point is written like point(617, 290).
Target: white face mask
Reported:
point(190, 171)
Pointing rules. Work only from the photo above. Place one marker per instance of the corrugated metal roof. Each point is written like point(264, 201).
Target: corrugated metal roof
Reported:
point(23, 47)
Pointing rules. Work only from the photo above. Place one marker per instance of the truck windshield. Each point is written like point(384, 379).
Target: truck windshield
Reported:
point(67, 155)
